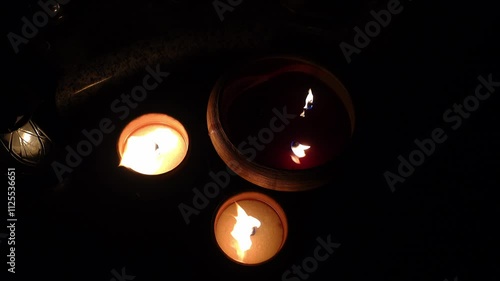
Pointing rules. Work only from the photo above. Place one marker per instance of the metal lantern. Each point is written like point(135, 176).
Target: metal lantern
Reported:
point(26, 142)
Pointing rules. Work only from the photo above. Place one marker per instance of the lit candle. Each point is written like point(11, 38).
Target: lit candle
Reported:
point(316, 135)
point(285, 121)
point(250, 228)
point(153, 144)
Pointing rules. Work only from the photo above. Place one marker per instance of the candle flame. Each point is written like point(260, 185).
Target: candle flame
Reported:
point(309, 103)
point(243, 228)
point(295, 159)
point(299, 151)
point(152, 152)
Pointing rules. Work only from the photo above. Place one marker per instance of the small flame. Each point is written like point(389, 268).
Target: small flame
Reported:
point(150, 153)
point(243, 228)
point(299, 151)
point(309, 103)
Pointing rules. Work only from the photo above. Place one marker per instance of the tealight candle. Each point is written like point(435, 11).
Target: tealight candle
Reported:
point(153, 144)
point(250, 228)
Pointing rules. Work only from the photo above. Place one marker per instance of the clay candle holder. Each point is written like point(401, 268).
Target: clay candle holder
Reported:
point(282, 121)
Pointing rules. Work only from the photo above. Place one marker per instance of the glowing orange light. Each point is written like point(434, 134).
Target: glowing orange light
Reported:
point(153, 144)
point(250, 228)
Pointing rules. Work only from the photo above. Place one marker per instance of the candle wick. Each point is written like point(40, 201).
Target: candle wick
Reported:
point(254, 229)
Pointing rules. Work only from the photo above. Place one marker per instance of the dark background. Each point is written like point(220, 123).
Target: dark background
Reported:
point(440, 223)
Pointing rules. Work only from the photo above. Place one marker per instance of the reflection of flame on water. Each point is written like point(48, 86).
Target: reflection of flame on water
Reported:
point(243, 228)
point(309, 103)
point(148, 153)
point(299, 151)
